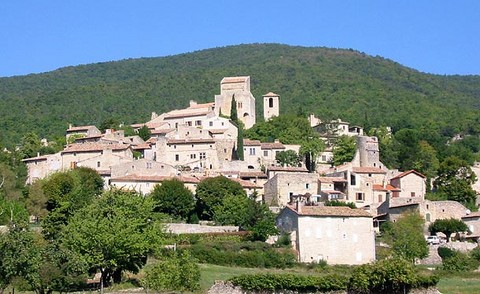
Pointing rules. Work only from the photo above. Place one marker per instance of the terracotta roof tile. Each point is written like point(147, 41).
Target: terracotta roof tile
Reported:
point(274, 145)
point(472, 215)
point(257, 174)
point(246, 184)
point(332, 180)
point(248, 142)
point(386, 188)
point(190, 141)
point(368, 170)
point(80, 128)
point(269, 94)
point(92, 147)
point(287, 169)
point(407, 173)
point(157, 179)
point(330, 211)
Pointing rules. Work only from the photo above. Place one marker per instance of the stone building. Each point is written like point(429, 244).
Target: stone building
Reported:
point(271, 105)
point(472, 220)
point(238, 87)
point(280, 188)
point(411, 184)
point(81, 131)
point(337, 235)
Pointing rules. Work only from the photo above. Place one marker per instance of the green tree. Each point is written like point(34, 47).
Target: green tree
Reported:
point(310, 150)
point(211, 191)
point(144, 133)
point(175, 272)
point(30, 145)
point(66, 193)
point(447, 226)
point(173, 198)
point(19, 256)
point(287, 158)
point(344, 150)
point(114, 233)
point(239, 125)
point(12, 211)
point(454, 181)
point(405, 237)
point(232, 210)
point(426, 162)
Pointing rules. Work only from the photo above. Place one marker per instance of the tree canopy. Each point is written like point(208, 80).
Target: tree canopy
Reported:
point(447, 226)
point(173, 198)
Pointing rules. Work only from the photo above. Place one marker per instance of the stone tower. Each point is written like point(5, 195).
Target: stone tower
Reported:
point(369, 152)
point(271, 105)
point(240, 87)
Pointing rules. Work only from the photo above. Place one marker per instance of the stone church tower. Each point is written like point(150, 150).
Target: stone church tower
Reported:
point(271, 105)
point(240, 87)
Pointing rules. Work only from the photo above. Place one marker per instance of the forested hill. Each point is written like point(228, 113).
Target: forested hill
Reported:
point(331, 83)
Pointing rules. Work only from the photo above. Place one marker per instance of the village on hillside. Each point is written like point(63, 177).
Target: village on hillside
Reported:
point(200, 141)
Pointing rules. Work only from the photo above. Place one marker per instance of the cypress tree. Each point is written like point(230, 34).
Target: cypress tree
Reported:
point(239, 125)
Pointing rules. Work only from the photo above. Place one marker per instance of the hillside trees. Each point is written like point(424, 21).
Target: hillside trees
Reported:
point(454, 181)
point(287, 158)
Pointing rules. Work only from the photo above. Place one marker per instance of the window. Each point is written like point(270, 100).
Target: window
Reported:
point(203, 155)
point(193, 156)
point(252, 151)
point(265, 153)
point(149, 165)
point(177, 157)
point(198, 122)
point(239, 105)
point(359, 196)
point(210, 123)
point(307, 186)
point(224, 150)
point(369, 175)
point(353, 180)
point(380, 198)
point(412, 194)
point(270, 102)
point(98, 163)
point(189, 123)
point(324, 158)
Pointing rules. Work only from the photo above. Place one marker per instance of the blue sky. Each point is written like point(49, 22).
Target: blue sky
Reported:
point(441, 37)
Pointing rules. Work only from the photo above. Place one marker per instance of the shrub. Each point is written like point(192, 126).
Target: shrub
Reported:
point(177, 272)
point(459, 262)
point(445, 252)
point(393, 275)
point(290, 282)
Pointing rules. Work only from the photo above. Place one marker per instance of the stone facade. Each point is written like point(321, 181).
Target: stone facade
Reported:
point(271, 106)
point(412, 184)
point(473, 222)
point(238, 87)
point(338, 235)
point(280, 188)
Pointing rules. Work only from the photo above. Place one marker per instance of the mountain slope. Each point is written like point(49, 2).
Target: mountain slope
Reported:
point(331, 83)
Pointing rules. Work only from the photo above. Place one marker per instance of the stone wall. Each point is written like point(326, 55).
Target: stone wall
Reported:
point(198, 229)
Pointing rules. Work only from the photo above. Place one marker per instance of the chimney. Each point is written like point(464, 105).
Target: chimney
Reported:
point(299, 206)
point(193, 103)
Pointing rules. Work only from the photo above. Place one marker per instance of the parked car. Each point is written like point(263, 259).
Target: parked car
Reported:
point(433, 240)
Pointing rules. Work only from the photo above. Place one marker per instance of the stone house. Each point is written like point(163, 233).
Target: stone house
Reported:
point(279, 189)
point(411, 184)
point(337, 235)
point(472, 220)
point(42, 166)
point(81, 131)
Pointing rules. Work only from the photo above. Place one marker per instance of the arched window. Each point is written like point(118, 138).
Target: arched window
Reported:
point(270, 102)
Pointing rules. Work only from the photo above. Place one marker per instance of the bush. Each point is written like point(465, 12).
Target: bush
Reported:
point(393, 275)
point(177, 272)
point(445, 252)
point(290, 282)
point(459, 262)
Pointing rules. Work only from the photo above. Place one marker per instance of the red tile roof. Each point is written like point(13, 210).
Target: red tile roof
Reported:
point(161, 131)
point(386, 188)
point(287, 169)
point(248, 142)
point(340, 211)
point(253, 175)
point(228, 80)
point(274, 145)
point(407, 173)
point(190, 141)
point(157, 179)
point(92, 147)
point(141, 146)
point(38, 158)
point(246, 184)
point(80, 128)
point(368, 170)
point(332, 180)
point(270, 94)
